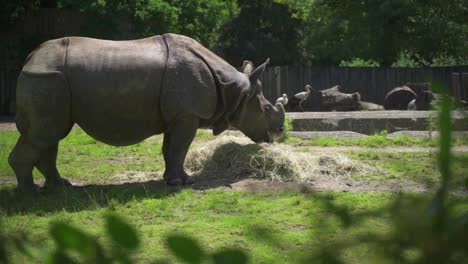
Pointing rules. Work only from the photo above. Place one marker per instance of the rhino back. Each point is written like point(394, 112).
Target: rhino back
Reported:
point(115, 87)
point(198, 82)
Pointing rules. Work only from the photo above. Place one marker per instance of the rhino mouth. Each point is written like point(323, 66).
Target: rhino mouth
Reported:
point(271, 137)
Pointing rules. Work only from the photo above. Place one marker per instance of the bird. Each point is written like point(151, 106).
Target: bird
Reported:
point(247, 67)
point(302, 96)
point(283, 99)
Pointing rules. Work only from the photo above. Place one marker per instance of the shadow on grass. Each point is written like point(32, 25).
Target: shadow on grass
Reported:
point(95, 196)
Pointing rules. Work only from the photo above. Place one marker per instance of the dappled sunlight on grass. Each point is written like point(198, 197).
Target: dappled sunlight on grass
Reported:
point(269, 226)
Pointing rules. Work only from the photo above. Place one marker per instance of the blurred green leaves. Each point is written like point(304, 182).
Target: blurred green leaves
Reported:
point(230, 256)
point(122, 233)
point(188, 251)
point(70, 238)
point(185, 249)
point(76, 246)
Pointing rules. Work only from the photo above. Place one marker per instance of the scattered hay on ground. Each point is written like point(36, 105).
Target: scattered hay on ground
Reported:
point(135, 176)
point(238, 158)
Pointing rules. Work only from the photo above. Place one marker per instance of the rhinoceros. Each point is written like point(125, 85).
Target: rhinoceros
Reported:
point(399, 98)
point(122, 92)
point(422, 101)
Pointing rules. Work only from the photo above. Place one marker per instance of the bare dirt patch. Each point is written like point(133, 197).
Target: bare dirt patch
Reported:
point(7, 126)
point(256, 186)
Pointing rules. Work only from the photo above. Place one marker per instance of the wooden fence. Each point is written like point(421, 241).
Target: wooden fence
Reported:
point(35, 27)
point(372, 83)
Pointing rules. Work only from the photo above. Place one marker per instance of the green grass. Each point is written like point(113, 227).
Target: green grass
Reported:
point(271, 227)
point(377, 140)
point(284, 227)
point(412, 166)
point(83, 158)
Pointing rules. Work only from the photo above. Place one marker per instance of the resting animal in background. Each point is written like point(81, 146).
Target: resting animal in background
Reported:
point(300, 98)
point(283, 99)
point(399, 98)
point(333, 99)
point(122, 92)
point(423, 101)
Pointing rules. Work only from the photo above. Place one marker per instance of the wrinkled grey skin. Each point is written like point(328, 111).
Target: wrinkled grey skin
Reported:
point(121, 92)
point(419, 87)
point(399, 98)
point(331, 99)
point(422, 102)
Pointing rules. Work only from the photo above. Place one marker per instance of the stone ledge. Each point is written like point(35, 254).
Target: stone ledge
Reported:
point(369, 122)
point(350, 134)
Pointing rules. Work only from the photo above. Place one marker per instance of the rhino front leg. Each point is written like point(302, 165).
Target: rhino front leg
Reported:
point(175, 146)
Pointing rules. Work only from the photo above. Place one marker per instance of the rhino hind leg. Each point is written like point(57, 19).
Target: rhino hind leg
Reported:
point(43, 119)
point(47, 165)
point(176, 143)
point(22, 160)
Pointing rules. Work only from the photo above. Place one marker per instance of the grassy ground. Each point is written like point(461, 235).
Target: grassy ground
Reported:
point(83, 159)
point(285, 227)
point(377, 140)
point(413, 166)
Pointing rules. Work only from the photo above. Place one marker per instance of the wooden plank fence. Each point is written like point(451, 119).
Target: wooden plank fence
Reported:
point(372, 83)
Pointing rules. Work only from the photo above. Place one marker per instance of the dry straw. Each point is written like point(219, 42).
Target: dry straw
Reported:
point(238, 157)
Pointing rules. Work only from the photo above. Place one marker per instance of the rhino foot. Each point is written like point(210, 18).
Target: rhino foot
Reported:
point(57, 182)
point(34, 188)
point(182, 179)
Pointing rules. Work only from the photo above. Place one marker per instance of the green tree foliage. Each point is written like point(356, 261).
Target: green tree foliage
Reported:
point(262, 29)
point(11, 11)
point(381, 30)
point(203, 19)
point(387, 32)
point(125, 19)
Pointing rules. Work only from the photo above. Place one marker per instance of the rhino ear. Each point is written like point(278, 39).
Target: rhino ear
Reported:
point(257, 73)
point(220, 127)
point(255, 76)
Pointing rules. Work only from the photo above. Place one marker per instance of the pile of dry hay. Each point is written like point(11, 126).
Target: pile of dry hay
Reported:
point(238, 157)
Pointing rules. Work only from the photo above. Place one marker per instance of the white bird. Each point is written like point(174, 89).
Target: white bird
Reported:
point(302, 96)
point(283, 100)
point(247, 67)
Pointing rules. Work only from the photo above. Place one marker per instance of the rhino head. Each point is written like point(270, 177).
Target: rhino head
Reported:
point(256, 117)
